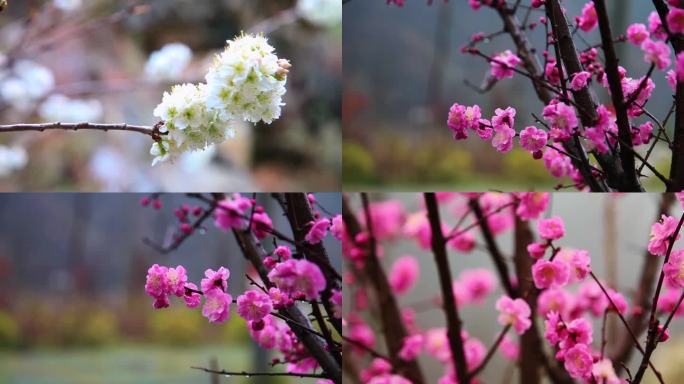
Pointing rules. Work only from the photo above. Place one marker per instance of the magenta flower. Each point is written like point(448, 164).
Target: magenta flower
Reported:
point(515, 313)
point(176, 279)
point(157, 283)
point(254, 305)
point(389, 379)
point(216, 305)
point(660, 235)
point(655, 26)
point(388, 218)
point(261, 224)
point(537, 250)
point(558, 164)
point(553, 300)
point(562, 119)
point(298, 277)
point(231, 213)
point(318, 231)
point(278, 298)
point(550, 274)
point(160, 302)
point(463, 242)
point(579, 80)
point(578, 361)
point(578, 331)
point(411, 347)
point(674, 269)
point(215, 279)
point(502, 124)
point(656, 52)
point(533, 139)
point(532, 205)
point(637, 33)
point(642, 135)
point(503, 64)
point(337, 227)
point(403, 275)
point(604, 372)
point(551, 229)
point(336, 300)
point(437, 345)
point(509, 348)
point(675, 20)
point(477, 284)
point(555, 328)
point(588, 20)
point(462, 118)
point(192, 298)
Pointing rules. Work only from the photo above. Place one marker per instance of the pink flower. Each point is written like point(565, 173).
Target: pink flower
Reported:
point(418, 227)
point(503, 64)
point(551, 71)
point(411, 347)
point(231, 213)
point(462, 118)
point(261, 224)
point(637, 33)
point(557, 163)
point(157, 282)
point(675, 20)
point(667, 302)
point(503, 127)
point(660, 235)
point(360, 332)
point(336, 300)
point(337, 228)
point(604, 372)
point(553, 300)
point(464, 242)
point(656, 52)
point(533, 139)
point(160, 302)
point(215, 279)
point(532, 205)
point(629, 87)
point(216, 305)
point(680, 198)
point(389, 379)
point(579, 80)
point(550, 274)
point(278, 298)
point(551, 229)
point(437, 344)
point(509, 348)
point(674, 269)
point(387, 216)
point(283, 252)
point(579, 331)
point(514, 312)
point(295, 277)
point(642, 135)
point(377, 367)
point(474, 351)
point(562, 119)
point(536, 250)
point(254, 305)
point(672, 77)
point(192, 298)
point(477, 284)
point(578, 361)
point(588, 20)
point(176, 279)
point(655, 26)
point(679, 67)
point(403, 275)
point(318, 231)
point(555, 328)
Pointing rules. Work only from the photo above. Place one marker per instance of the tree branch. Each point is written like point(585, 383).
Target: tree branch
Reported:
point(146, 130)
point(250, 374)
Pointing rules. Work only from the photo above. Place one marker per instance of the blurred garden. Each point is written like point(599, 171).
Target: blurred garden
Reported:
point(111, 61)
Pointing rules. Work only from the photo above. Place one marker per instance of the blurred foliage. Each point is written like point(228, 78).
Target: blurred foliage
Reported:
point(98, 327)
point(176, 326)
point(521, 163)
point(358, 165)
point(9, 331)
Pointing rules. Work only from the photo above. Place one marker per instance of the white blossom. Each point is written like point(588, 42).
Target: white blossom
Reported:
point(63, 109)
point(68, 5)
point(25, 83)
point(324, 13)
point(12, 159)
point(169, 62)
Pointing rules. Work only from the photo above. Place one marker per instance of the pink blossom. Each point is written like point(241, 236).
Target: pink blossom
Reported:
point(642, 135)
point(283, 252)
point(604, 372)
point(629, 87)
point(437, 345)
point(655, 26)
point(667, 302)
point(474, 352)
point(591, 297)
point(674, 269)
point(509, 348)
point(537, 250)
point(404, 274)
point(157, 282)
point(462, 118)
point(477, 283)
point(261, 224)
point(411, 347)
point(588, 20)
point(558, 164)
point(660, 235)
point(551, 71)
point(192, 298)
point(295, 277)
point(532, 205)
point(579, 331)
point(637, 33)
point(550, 274)
point(161, 302)
point(671, 76)
point(562, 119)
point(502, 124)
point(318, 231)
point(278, 298)
point(215, 279)
point(553, 300)
point(216, 305)
point(675, 20)
point(679, 67)
point(503, 64)
point(254, 305)
point(336, 300)
point(578, 361)
point(463, 242)
point(337, 227)
point(389, 379)
point(551, 229)
point(656, 52)
point(578, 261)
point(388, 218)
point(514, 312)
point(680, 198)
point(176, 279)
point(533, 139)
point(377, 367)
point(555, 328)
point(231, 213)
point(360, 332)
point(579, 80)
point(418, 227)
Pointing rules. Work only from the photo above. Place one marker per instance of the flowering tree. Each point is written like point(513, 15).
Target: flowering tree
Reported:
point(550, 296)
point(294, 276)
point(597, 145)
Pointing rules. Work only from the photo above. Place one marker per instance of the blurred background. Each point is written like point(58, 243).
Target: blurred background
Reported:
point(108, 61)
point(403, 70)
point(587, 228)
point(73, 308)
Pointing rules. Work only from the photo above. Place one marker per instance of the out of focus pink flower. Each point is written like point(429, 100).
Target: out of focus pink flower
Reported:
point(588, 20)
point(503, 64)
point(216, 305)
point(550, 274)
point(532, 205)
point(661, 232)
point(403, 275)
point(411, 347)
point(514, 312)
point(637, 33)
point(318, 231)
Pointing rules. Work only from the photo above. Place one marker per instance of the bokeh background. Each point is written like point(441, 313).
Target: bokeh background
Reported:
point(586, 228)
point(97, 51)
point(73, 308)
point(402, 72)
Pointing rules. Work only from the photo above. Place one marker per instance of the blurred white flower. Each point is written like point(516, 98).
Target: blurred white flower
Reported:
point(25, 83)
point(63, 109)
point(12, 159)
point(169, 62)
point(68, 5)
point(324, 13)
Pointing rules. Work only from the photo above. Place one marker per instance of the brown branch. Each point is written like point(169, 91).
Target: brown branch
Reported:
point(151, 131)
point(250, 374)
point(490, 353)
point(454, 323)
point(630, 181)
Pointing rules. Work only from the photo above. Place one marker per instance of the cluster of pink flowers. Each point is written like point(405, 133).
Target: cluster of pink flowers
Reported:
point(503, 64)
point(298, 278)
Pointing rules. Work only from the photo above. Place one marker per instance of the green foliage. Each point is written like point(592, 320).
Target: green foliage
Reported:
point(176, 326)
point(520, 165)
point(9, 331)
point(86, 325)
point(358, 164)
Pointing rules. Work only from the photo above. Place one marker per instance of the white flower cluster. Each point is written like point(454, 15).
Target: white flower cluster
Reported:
point(246, 83)
point(24, 84)
point(68, 5)
point(168, 63)
point(324, 13)
point(66, 110)
point(12, 159)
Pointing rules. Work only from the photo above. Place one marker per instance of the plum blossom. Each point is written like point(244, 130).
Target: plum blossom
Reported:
point(655, 26)
point(157, 281)
point(337, 227)
point(462, 118)
point(475, 284)
point(562, 119)
point(411, 347)
point(588, 20)
point(637, 33)
point(661, 232)
point(674, 269)
point(191, 297)
point(176, 278)
point(216, 305)
point(675, 20)
point(215, 279)
point(509, 348)
point(295, 277)
point(578, 361)
point(254, 305)
point(514, 312)
point(553, 300)
point(318, 231)
point(551, 229)
point(261, 224)
point(502, 124)
point(403, 275)
point(533, 139)
point(503, 64)
point(656, 52)
point(532, 205)
point(550, 274)
point(579, 80)
point(232, 213)
point(604, 372)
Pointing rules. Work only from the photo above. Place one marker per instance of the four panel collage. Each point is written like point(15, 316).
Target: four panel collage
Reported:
point(341, 191)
